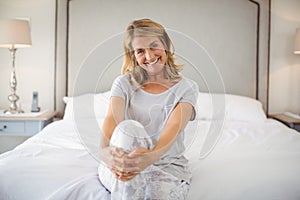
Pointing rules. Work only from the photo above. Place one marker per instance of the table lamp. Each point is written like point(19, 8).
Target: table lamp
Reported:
point(14, 33)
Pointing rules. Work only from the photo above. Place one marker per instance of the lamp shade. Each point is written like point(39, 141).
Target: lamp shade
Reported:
point(14, 33)
point(297, 42)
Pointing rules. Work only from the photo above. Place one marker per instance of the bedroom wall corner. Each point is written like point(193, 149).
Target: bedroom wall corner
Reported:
point(284, 65)
point(61, 58)
point(262, 51)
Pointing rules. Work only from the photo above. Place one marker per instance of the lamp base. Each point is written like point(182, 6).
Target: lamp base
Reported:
point(13, 108)
point(13, 111)
point(13, 97)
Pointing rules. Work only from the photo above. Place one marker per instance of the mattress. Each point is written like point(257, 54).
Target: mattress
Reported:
point(249, 160)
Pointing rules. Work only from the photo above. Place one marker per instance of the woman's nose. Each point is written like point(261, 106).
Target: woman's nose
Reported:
point(149, 55)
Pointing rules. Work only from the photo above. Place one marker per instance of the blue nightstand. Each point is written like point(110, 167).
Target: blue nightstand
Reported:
point(22, 125)
point(15, 129)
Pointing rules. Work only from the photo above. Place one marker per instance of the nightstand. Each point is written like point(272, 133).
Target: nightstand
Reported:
point(290, 121)
point(22, 125)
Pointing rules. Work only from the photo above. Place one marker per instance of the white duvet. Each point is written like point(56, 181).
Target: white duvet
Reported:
point(250, 161)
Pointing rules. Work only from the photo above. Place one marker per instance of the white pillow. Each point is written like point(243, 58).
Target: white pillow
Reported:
point(244, 109)
point(229, 107)
point(210, 106)
point(204, 108)
point(86, 106)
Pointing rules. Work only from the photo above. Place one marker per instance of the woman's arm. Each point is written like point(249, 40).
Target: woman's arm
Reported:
point(114, 116)
point(109, 155)
point(115, 158)
point(176, 123)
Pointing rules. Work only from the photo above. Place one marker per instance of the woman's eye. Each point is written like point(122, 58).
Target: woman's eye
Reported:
point(154, 46)
point(139, 51)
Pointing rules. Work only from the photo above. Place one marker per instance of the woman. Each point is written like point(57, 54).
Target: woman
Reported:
point(142, 135)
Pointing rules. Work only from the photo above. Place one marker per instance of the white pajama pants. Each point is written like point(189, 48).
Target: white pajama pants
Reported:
point(152, 183)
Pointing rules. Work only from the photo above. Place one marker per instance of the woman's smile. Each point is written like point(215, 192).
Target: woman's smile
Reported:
point(153, 62)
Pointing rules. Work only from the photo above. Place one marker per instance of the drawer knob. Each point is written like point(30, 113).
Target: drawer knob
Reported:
point(4, 127)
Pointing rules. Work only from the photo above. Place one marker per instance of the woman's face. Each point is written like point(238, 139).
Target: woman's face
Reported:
point(150, 54)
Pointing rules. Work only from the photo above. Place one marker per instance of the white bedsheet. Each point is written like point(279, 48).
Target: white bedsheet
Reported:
point(258, 161)
point(250, 161)
point(51, 162)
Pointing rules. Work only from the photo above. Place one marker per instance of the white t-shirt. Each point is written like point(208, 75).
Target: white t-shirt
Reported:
point(153, 111)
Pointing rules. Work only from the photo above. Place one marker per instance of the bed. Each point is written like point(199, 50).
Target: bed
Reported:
point(235, 152)
point(252, 157)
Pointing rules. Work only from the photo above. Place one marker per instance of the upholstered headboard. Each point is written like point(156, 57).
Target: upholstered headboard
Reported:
point(224, 45)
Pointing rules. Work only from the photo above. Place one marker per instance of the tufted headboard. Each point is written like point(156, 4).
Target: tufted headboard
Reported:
point(224, 45)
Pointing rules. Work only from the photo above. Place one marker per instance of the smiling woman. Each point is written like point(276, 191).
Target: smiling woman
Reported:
point(147, 45)
point(142, 142)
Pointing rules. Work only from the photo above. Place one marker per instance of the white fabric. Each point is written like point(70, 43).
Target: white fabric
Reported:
point(229, 107)
point(53, 162)
point(86, 106)
point(209, 106)
point(251, 161)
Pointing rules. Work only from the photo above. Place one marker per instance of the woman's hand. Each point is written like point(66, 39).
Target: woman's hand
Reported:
point(109, 154)
point(133, 163)
point(142, 158)
point(117, 160)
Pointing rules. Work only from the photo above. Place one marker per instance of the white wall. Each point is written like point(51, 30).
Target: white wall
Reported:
point(34, 65)
point(284, 65)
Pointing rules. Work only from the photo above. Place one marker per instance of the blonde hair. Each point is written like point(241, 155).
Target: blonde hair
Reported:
point(147, 28)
